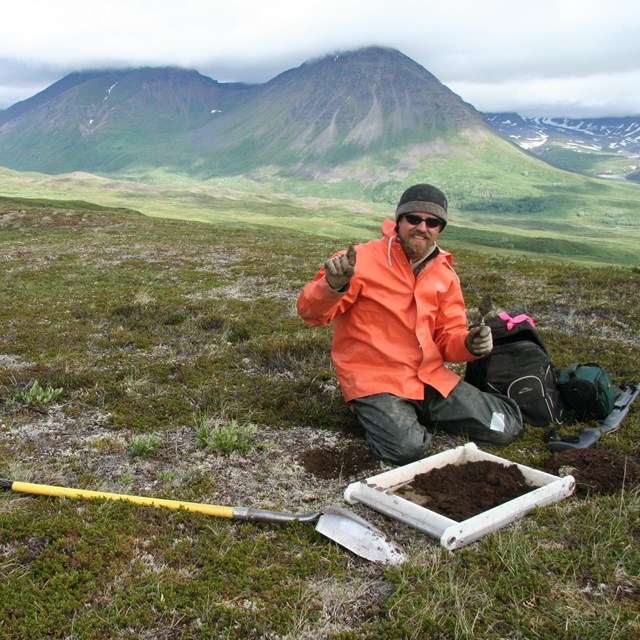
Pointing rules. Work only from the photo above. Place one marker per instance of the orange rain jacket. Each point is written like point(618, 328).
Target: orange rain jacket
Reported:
point(392, 332)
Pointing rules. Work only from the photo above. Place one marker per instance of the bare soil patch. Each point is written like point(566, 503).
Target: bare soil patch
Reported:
point(350, 458)
point(462, 491)
point(596, 470)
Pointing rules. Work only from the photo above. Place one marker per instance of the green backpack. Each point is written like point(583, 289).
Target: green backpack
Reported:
point(588, 390)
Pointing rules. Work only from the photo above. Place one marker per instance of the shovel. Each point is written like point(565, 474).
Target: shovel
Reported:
point(337, 524)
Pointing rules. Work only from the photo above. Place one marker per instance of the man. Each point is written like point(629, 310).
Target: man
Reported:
point(398, 315)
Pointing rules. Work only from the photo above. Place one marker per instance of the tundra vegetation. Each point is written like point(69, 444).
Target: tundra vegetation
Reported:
point(165, 358)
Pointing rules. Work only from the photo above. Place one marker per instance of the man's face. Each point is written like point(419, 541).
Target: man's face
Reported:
point(416, 237)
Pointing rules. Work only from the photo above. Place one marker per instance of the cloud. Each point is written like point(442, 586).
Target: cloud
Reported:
point(500, 56)
point(614, 95)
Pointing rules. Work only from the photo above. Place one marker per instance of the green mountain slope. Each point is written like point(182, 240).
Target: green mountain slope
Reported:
point(368, 103)
point(108, 120)
point(305, 150)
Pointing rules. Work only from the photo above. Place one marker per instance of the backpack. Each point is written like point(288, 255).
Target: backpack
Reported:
point(519, 367)
point(588, 390)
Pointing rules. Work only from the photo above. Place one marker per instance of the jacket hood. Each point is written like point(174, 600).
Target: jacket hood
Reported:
point(389, 228)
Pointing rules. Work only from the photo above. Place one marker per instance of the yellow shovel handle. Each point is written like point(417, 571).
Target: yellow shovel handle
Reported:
point(64, 492)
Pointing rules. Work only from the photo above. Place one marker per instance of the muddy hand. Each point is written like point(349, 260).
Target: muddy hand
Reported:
point(340, 270)
point(480, 341)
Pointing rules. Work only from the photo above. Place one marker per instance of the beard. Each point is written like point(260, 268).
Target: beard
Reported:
point(416, 246)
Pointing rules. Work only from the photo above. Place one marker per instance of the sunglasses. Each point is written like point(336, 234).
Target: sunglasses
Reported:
point(415, 220)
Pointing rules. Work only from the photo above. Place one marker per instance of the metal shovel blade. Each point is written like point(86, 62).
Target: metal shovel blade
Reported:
point(359, 536)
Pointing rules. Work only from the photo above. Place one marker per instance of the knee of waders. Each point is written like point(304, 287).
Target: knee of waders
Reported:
point(403, 451)
point(510, 428)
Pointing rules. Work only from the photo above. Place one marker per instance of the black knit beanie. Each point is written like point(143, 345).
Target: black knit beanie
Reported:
point(424, 198)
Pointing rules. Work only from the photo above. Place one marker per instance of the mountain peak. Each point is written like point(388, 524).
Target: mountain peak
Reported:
point(326, 111)
point(343, 105)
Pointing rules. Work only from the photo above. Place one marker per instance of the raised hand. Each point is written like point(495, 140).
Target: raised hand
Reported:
point(340, 270)
point(479, 340)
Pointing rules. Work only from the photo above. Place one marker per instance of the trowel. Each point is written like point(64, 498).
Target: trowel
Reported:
point(485, 308)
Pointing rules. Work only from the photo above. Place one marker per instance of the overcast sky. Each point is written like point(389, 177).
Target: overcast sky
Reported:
point(575, 58)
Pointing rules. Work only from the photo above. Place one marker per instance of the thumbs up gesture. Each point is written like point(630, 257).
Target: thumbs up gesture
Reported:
point(479, 340)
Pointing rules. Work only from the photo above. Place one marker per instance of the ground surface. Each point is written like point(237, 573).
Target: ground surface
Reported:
point(186, 373)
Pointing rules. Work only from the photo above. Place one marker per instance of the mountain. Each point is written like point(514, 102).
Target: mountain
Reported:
point(607, 147)
point(313, 145)
point(100, 121)
point(335, 109)
point(368, 103)
point(359, 124)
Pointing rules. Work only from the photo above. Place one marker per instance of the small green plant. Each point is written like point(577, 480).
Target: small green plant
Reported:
point(166, 476)
point(108, 444)
point(203, 436)
point(227, 437)
point(35, 395)
point(143, 445)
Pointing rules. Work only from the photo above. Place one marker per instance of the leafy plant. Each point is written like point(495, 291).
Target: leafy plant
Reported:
point(166, 476)
point(143, 445)
point(35, 395)
point(227, 437)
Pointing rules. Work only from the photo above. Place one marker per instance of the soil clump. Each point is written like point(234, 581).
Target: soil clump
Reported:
point(595, 470)
point(465, 490)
